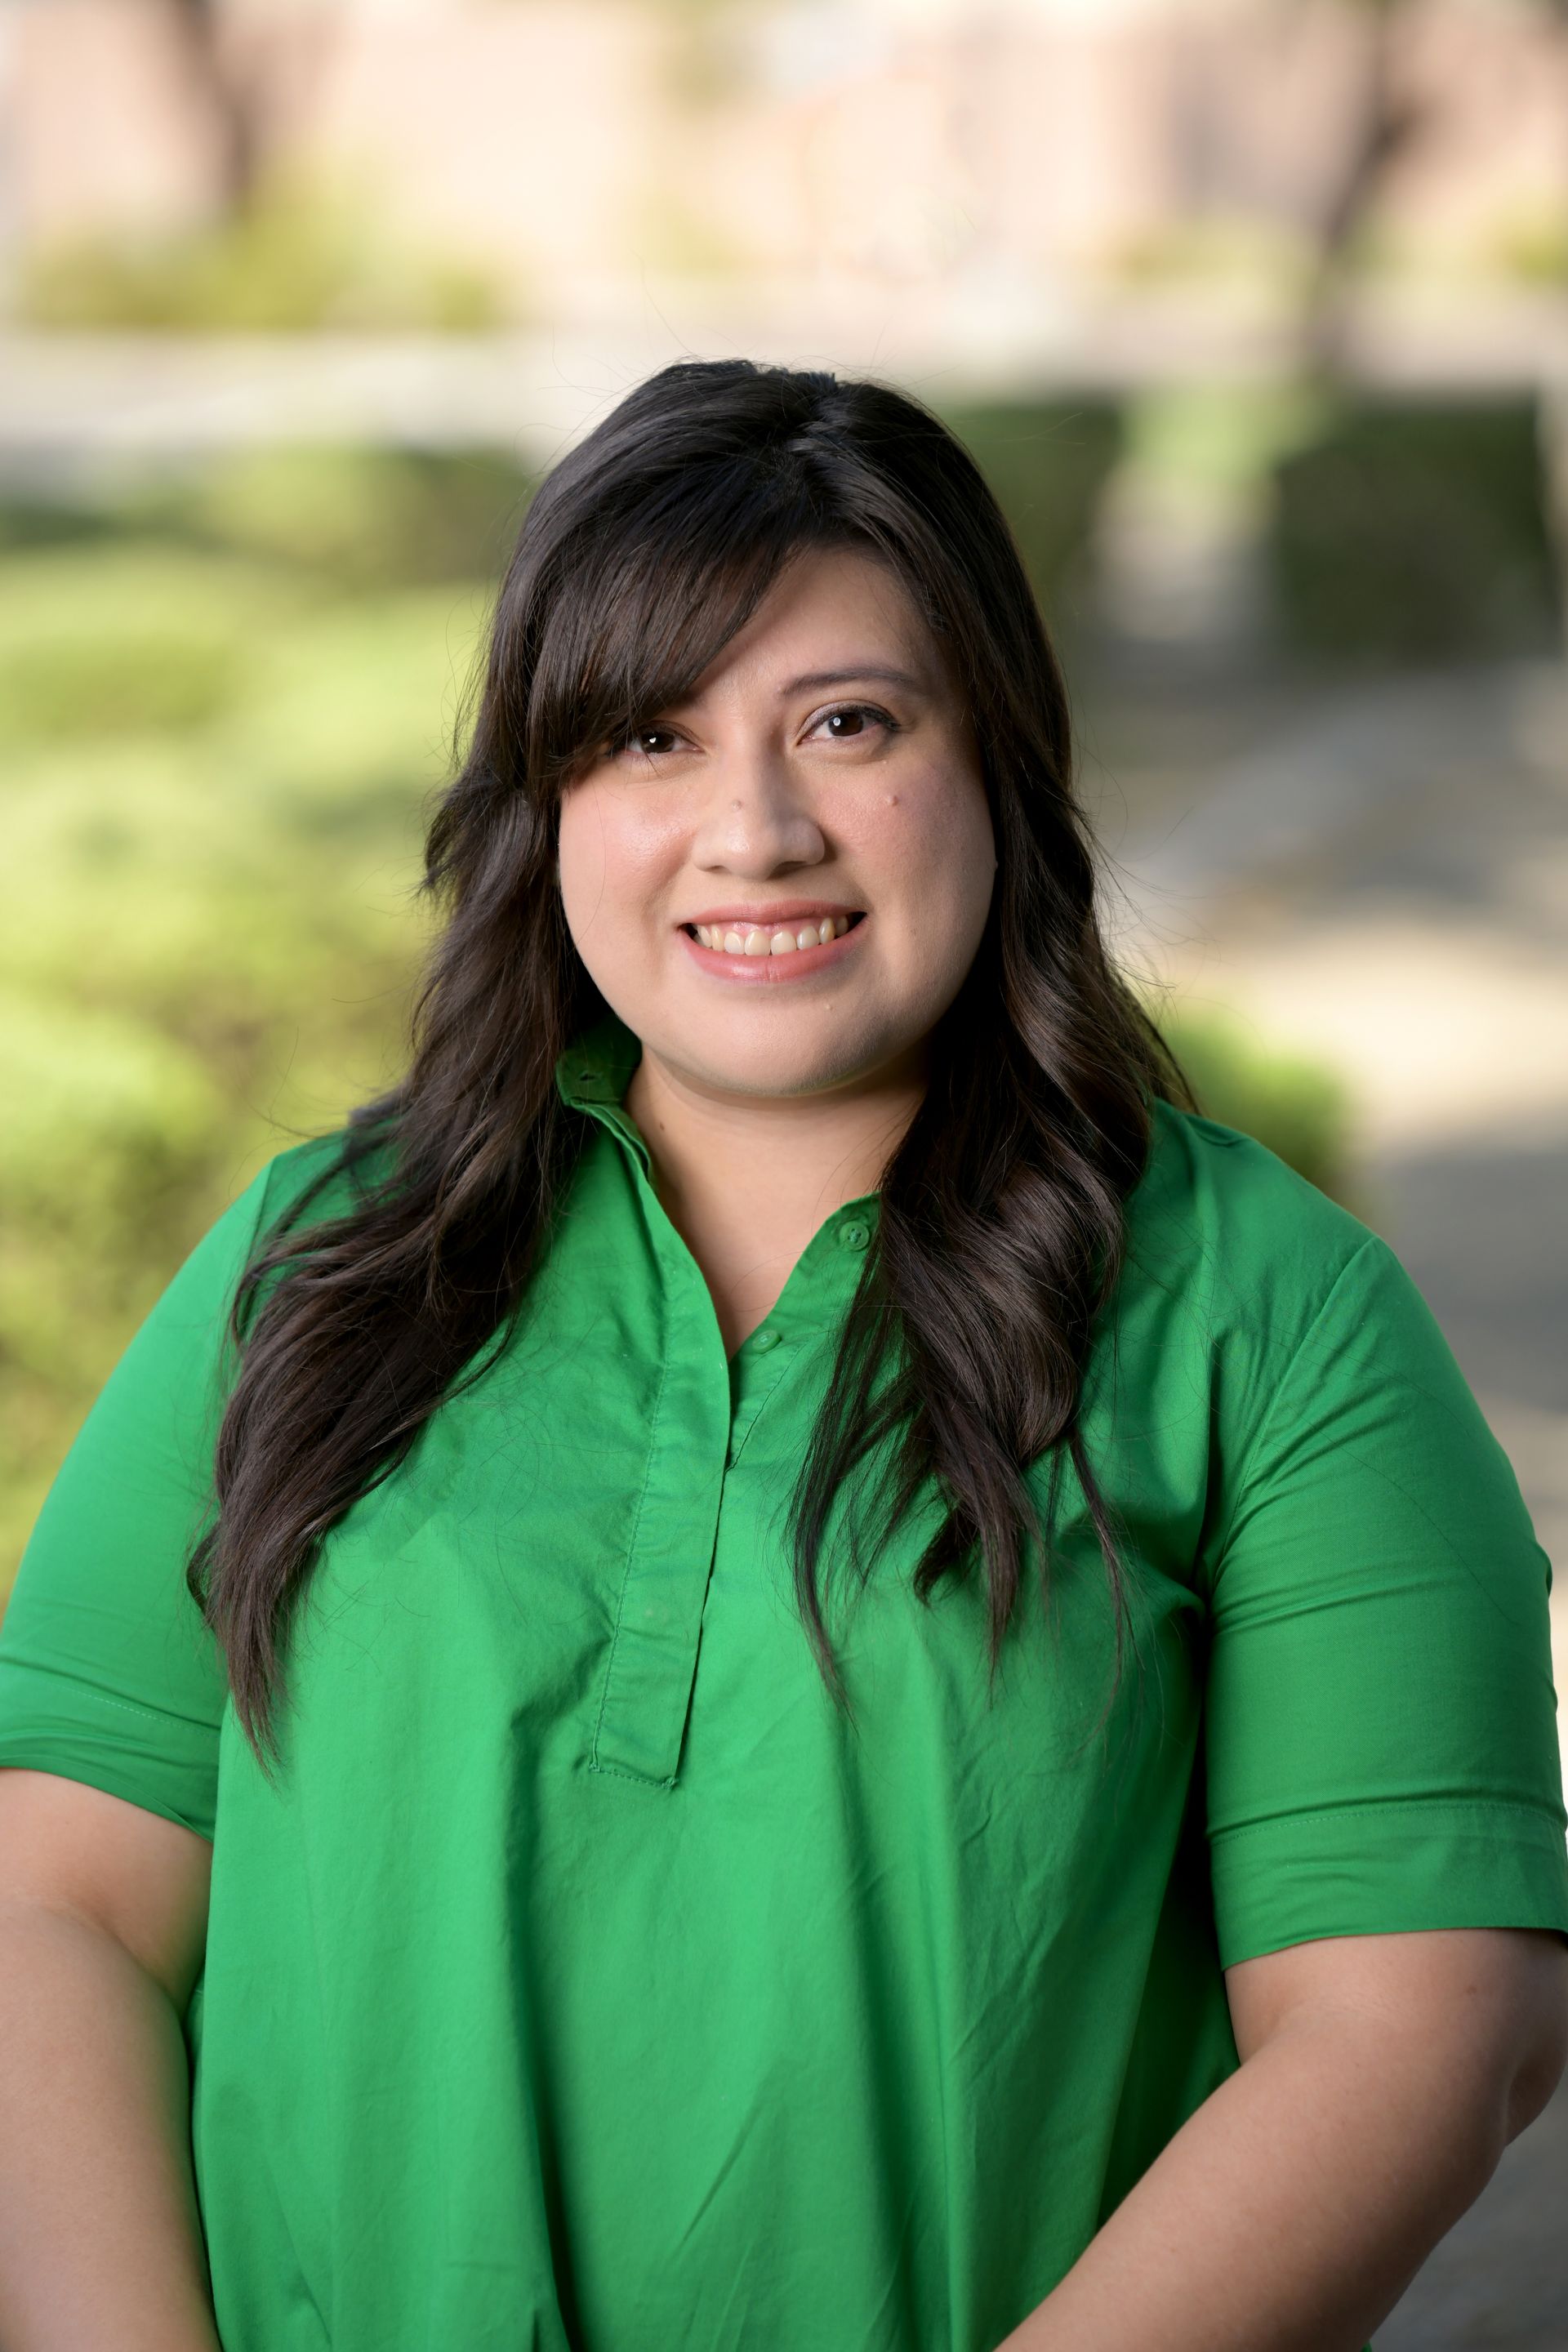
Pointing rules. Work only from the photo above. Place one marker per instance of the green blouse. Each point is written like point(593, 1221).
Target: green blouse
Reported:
point(585, 1981)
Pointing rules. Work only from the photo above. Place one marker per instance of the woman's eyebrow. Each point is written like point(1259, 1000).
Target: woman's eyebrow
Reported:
point(814, 679)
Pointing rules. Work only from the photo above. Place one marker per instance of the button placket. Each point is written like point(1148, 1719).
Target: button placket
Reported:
point(646, 1695)
point(705, 1410)
point(752, 1384)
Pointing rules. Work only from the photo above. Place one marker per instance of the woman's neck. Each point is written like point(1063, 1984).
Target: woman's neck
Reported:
point(747, 1179)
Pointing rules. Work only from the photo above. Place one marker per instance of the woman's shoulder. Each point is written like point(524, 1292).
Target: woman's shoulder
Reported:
point(1219, 1214)
point(1251, 1294)
point(294, 1187)
point(323, 1177)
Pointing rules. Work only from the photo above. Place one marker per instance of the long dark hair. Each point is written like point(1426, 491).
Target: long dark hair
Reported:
point(1001, 1227)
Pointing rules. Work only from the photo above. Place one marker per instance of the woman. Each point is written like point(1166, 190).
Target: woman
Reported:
point(849, 1681)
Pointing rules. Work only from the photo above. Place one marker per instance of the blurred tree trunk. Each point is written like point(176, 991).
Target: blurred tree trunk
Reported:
point(252, 68)
point(229, 98)
point(1387, 122)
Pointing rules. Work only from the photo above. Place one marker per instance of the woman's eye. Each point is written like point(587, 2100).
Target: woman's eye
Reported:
point(649, 742)
point(853, 720)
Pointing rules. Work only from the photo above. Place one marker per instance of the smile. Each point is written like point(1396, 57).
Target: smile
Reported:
point(758, 939)
point(786, 950)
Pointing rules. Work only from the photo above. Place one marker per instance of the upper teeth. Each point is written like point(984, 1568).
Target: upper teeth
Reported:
point(750, 941)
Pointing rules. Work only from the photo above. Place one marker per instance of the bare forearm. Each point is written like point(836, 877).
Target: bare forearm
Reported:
point(99, 2239)
point(1290, 2211)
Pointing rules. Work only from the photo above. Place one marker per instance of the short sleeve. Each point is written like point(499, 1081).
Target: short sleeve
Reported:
point(107, 1673)
point(1381, 1745)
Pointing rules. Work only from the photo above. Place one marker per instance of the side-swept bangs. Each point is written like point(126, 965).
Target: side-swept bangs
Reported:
point(629, 580)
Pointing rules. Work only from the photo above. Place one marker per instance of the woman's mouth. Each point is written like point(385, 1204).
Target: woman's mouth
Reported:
point(772, 951)
point(776, 939)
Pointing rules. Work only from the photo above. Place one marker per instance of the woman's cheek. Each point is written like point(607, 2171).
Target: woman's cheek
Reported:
point(615, 857)
point(932, 827)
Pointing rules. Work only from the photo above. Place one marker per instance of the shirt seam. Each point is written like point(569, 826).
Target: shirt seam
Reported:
point(1361, 1807)
point(1267, 1424)
point(639, 1779)
point(100, 1699)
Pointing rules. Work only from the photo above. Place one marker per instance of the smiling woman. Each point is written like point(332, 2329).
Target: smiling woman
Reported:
point(778, 1659)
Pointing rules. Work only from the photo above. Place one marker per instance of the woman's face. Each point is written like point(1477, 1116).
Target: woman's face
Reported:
point(825, 772)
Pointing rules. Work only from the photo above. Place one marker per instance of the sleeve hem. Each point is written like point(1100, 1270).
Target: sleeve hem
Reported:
point(52, 1723)
point(1387, 1869)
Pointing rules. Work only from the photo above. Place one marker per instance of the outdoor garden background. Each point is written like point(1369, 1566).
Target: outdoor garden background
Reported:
point(1255, 313)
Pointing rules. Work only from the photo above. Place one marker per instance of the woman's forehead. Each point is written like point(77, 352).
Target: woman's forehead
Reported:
point(833, 616)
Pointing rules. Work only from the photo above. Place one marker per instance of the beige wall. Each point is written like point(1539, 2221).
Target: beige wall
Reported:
point(890, 143)
point(96, 123)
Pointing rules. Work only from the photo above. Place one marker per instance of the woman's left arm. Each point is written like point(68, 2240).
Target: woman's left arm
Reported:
point(1382, 2077)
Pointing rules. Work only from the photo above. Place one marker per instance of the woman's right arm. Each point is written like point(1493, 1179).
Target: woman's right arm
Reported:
point(102, 1926)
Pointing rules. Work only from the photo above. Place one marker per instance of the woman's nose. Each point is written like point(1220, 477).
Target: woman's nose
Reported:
point(756, 820)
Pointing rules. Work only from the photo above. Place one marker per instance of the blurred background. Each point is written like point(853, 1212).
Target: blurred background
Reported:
point(1255, 313)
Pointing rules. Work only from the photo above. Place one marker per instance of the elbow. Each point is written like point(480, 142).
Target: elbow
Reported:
point(1542, 2055)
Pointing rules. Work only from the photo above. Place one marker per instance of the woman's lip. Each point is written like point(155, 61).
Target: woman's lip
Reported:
point(771, 968)
point(769, 919)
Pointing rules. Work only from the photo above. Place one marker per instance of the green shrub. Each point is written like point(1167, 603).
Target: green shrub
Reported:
point(362, 518)
point(123, 640)
point(110, 1147)
point(294, 260)
point(1049, 463)
point(143, 676)
point(349, 716)
point(105, 1119)
point(43, 517)
point(189, 983)
point(350, 517)
point(1534, 247)
point(1410, 532)
point(208, 928)
point(179, 884)
point(1296, 1105)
